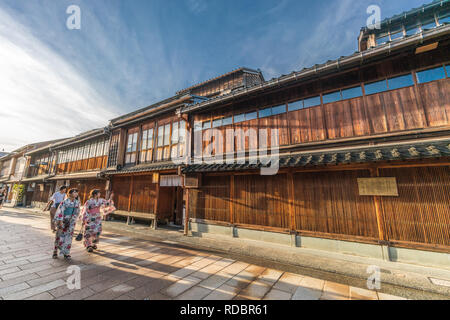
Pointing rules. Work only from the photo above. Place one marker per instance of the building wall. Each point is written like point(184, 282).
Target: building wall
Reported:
point(327, 204)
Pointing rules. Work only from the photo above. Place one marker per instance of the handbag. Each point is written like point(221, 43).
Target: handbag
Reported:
point(80, 235)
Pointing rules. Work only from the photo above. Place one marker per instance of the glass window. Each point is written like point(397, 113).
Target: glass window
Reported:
point(251, 116)
point(150, 138)
point(375, 87)
point(227, 121)
point(265, 112)
point(312, 102)
point(430, 75)
point(444, 19)
point(411, 30)
point(217, 123)
point(239, 118)
point(207, 125)
point(400, 82)
point(182, 130)
point(447, 68)
point(397, 34)
point(429, 26)
point(197, 126)
point(352, 93)
point(278, 110)
point(332, 97)
point(175, 135)
point(160, 136)
point(297, 105)
point(167, 134)
point(382, 40)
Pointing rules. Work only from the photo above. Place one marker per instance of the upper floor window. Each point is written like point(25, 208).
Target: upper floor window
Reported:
point(130, 155)
point(332, 97)
point(396, 34)
point(178, 140)
point(352, 93)
point(429, 26)
point(444, 18)
point(296, 105)
point(400, 82)
point(430, 75)
point(375, 87)
point(312, 102)
point(147, 144)
point(163, 151)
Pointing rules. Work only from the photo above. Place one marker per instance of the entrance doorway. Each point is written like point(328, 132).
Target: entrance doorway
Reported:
point(170, 205)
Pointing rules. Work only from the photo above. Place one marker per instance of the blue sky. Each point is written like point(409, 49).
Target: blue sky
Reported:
point(56, 82)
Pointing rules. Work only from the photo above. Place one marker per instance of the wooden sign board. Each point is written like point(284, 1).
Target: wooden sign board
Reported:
point(155, 178)
point(192, 181)
point(386, 187)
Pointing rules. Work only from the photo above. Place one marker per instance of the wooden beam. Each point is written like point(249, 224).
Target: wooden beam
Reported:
point(157, 198)
point(232, 199)
point(131, 193)
point(186, 215)
point(378, 209)
point(292, 222)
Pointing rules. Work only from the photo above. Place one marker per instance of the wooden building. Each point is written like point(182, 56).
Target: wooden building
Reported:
point(14, 170)
point(149, 146)
point(364, 147)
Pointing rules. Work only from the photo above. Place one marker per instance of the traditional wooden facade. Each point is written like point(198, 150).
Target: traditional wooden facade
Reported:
point(353, 152)
point(149, 147)
point(347, 131)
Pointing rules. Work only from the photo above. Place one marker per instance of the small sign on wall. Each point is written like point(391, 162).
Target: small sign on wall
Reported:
point(155, 178)
point(192, 181)
point(386, 187)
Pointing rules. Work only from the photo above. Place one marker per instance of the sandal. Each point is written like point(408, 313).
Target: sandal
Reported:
point(55, 255)
point(90, 249)
point(67, 257)
point(94, 247)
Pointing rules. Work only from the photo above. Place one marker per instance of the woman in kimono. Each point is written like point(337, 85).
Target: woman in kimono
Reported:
point(65, 220)
point(92, 215)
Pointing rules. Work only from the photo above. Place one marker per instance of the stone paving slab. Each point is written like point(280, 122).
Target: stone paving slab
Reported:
point(132, 269)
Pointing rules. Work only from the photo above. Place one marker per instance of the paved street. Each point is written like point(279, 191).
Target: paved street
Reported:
point(125, 268)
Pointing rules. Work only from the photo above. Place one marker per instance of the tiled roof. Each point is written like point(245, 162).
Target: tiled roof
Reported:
point(144, 168)
point(409, 151)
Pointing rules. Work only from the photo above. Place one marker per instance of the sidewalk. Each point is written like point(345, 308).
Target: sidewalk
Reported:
point(405, 280)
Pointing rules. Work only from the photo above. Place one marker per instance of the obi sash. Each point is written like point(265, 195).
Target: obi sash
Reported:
point(69, 211)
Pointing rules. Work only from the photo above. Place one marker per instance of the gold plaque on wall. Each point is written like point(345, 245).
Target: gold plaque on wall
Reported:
point(155, 178)
point(378, 187)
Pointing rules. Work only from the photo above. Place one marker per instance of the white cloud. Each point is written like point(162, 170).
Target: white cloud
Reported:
point(42, 96)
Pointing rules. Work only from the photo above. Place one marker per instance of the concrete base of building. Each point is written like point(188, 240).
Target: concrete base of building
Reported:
point(38, 205)
point(382, 252)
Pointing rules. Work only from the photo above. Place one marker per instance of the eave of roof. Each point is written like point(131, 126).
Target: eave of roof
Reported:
point(152, 167)
point(164, 105)
point(357, 58)
point(92, 134)
point(393, 152)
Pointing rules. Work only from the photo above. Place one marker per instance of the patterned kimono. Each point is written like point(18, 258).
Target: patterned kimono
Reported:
point(65, 221)
point(93, 212)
